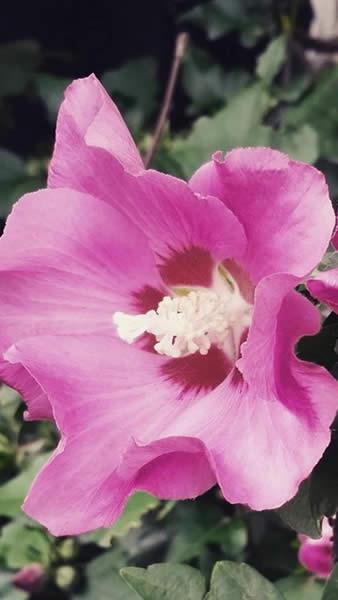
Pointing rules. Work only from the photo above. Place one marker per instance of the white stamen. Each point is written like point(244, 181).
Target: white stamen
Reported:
point(186, 324)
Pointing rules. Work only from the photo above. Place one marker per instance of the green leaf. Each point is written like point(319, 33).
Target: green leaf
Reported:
point(13, 492)
point(300, 144)
point(51, 90)
point(298, 513)
point(331, 588)
point(300, 587)
point(21, 544)
point(165, 582)
point(14, 180)
point(238, 124)
point(222, 16)
point(12, 167)
point(299, 83)
point(233, 538)
point(103, 580)
point(203, 80)
point(18, 63)
point(7, 589)
point(135, 85)
point(139, 504)
point(270, 62)
point(320, 110)
point(194, 525)
point(211, 18)
point(317, 495)
point(240, 582)
point(206, 83)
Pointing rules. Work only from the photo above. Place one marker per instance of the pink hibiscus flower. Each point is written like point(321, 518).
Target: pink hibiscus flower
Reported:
point(316, 555)
point(155, 321)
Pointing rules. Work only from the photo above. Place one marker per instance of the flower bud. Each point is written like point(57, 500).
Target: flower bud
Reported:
point(30, 577)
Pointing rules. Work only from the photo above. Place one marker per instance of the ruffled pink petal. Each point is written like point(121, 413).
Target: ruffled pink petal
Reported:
point(280, 408)
point(88, 115)
point(111, 402)
point(283, 205)
point(75, 268)
point(91, 492)
point(324, 287)
point(268, 423)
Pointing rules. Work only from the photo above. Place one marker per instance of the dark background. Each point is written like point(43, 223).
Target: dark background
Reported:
point(78, 38)
point(43, 46)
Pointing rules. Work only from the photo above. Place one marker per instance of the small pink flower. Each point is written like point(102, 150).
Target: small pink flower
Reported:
point(155, 321)
point(316, 555)
point(30, 577)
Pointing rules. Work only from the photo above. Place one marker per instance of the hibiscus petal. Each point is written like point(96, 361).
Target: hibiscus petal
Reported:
point(283, 205)
point(35, 398)
point(278, 409)
point(324, 287)
point(268, 424)
point(261, 432)
point(109, 402)
point(187, 232)
point(88, 115)
point(74, 269)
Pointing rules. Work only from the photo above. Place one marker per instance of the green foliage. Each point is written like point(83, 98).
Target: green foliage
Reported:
point(51, 89)
point(165, 582)
point(331, 588)
point(240, 582)
point(299, 514)
point(218, 132)
point(103, 580)
point(22, 543)
point(272, 59)
point(317, 496)
point(195, 525)
point(7, 591)
point(179, 582)
point(223, 16)
point(137, 506)
point(301, 144)
point(319, 109)
point(15, 180)
point(14, 491)
point(135, 85)
point(206, 83)
point(18, 63)
point(300, 587)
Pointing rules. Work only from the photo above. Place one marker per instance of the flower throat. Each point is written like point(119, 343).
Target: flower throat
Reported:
point(193, 319)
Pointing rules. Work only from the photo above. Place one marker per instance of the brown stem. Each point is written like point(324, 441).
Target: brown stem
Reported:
point(317, 44)
point(289, 25)
point(180, 48)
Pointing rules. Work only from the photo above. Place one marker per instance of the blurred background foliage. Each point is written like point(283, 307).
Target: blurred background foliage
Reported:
point(251, 76)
